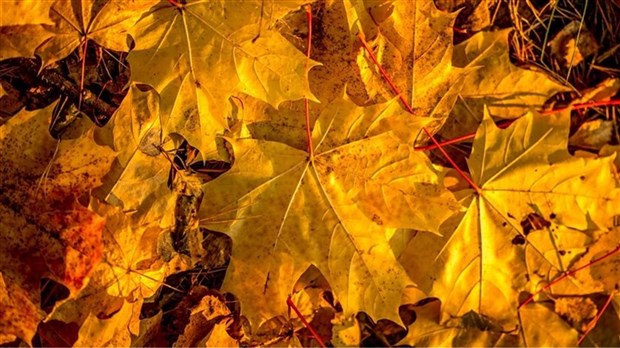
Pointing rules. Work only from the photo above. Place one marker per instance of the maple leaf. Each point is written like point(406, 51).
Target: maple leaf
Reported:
point(131, 266)
point(413, 40)
point(44, 231)
point(197, 55)
point(599, 277)
point(54, 235)
point(112, 331)
point(496, 83)
point(543, 327)
point(20, 12)
point(521, 170)
point(74, 23)
point(469, 330)
point(139, 176)
point(302, 210)
point(19, 317)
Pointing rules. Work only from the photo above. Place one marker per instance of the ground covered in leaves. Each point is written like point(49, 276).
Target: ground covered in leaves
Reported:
point(309, 173)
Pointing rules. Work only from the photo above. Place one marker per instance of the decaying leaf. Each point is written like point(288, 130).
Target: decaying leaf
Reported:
point(578, 310)
point(19, 317)
point(573, 44)
point(45, 231)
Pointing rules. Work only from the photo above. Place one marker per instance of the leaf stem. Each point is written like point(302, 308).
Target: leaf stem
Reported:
point(308, 9)
point(581, 106)
point(568, 274)
point(506, 123)
point(384, 74)
point(83, 73)
point(316, 336)
point(598, 316)
point(502, 124)
point(461, 173)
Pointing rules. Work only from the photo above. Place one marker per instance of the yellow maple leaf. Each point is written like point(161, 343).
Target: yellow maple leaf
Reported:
point(286, 209)
point(139, 177)
point(196, 55)
point(413, 41)
point(131, 266)
point(521, 170)
point(497, 84)
point(109, 332)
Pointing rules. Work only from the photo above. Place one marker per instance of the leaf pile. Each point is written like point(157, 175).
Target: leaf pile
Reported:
point(304, 157)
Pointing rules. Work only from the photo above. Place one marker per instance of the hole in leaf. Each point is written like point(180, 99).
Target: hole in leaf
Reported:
point(52, 292)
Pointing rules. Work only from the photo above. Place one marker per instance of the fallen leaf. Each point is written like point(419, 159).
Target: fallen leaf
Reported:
point(131, 267)
point(413, 40)
point(109, 331)
point(505, 89)
point(230, 44)
point(573, 44)
point(542, 326)
point(219, 337)
point(593, 134)
point(55, 237)
point(76, 22)
point(138, 178)
point(19, 317)
point(522, 169)
point(302, 211)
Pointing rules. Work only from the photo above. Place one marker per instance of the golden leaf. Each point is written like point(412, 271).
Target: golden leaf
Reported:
point(302, 210)
point(197, 55)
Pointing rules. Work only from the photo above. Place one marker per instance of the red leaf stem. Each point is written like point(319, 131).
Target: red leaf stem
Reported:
point(581, 106)
point(567, 274)
point(506, 123)
point(598, 316)
point(502, 124)
point(174, 3)
point(316, 336)
point(461, 173)
point(384, 74)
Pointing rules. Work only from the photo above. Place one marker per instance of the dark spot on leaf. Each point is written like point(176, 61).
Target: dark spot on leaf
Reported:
point(533, 222)
point(562, 252)
point(377, 219)
point(552, 216)
point(518, 240)
point(583, 177)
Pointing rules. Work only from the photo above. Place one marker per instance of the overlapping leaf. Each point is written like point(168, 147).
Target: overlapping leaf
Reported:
point(521, 170)
point(74, 22)
point(504, 88)
point(199, 54)
point(44, 231)
point(286, 210)
point(413, 42)
point(139, 177)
